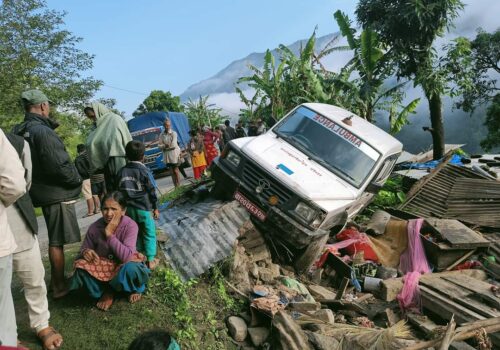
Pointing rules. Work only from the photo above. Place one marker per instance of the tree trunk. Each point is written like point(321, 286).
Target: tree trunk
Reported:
point(436, 111)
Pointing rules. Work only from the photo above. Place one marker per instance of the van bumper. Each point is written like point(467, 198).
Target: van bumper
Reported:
point(277, 222)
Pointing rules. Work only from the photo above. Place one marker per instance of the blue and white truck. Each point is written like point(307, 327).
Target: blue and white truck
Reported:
point(148, 127)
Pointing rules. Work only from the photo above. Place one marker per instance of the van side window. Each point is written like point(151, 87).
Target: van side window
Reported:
point(386, 169)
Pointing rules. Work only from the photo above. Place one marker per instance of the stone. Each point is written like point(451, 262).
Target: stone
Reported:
point(259, 253)
point(275, 269)
point(316, 277)
point(254, 271)
point(304, 306)
point(319, 292)
point(325, 315)
point(266, 275)
point(237, 328)
point(245, 315)
point(258, 335)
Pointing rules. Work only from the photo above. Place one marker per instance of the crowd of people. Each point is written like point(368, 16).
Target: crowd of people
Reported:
point(119, 249)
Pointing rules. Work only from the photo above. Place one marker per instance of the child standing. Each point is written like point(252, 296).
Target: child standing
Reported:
point(142, 204)
point(196, 149)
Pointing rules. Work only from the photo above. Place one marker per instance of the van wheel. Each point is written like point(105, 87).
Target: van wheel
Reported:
point(311, 254)
point(219, 193)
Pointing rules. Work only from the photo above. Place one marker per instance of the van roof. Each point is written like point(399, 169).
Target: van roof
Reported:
point(373, 135)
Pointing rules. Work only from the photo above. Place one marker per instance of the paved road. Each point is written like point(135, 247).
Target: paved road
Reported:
point(164, 183)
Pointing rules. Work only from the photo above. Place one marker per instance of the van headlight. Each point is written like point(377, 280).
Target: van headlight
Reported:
point(307, 213)
point(233, 159)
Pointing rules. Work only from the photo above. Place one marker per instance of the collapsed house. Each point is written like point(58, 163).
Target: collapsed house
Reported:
point(422, 275)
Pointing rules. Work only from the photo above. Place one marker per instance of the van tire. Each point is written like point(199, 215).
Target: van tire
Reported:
point(219, 193)
point(311, 254)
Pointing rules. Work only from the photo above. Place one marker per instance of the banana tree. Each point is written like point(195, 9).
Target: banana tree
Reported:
point(371, 63)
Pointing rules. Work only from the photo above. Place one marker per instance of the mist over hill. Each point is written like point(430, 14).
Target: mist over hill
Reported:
point(460, 127)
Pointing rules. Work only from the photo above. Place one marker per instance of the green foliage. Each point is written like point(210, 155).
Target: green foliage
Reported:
point(390, 196)
point(492, 122)
point(37, 52)
point(171, 290)
point(408, 30)
point(470, 64)
point(200, 113)
point(159, 101)
point(174, 194)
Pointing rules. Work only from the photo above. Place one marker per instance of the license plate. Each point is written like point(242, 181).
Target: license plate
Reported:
point(249, 206)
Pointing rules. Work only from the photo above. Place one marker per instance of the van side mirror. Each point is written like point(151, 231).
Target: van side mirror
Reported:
point(373, 188)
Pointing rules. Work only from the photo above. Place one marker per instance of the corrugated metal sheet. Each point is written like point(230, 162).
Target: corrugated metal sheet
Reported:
point(475, 201)
point(429, 196)
point(200, 234)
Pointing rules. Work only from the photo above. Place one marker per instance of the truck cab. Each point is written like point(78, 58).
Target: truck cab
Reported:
point(309, 174)
point(147, 129)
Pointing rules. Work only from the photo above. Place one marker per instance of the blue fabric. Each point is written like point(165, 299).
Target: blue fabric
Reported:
point(455, 160)
point(173, 345)
point(131, 278)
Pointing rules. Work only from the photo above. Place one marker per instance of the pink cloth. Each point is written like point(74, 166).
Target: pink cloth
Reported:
point(413, 263)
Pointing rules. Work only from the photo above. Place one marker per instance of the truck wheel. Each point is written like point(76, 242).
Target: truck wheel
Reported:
point(218, 192)
point(310, 254)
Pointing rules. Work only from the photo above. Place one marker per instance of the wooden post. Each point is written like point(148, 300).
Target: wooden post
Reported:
point(342, 288)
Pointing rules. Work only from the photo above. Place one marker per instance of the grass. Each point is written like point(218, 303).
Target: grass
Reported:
point(194, 312)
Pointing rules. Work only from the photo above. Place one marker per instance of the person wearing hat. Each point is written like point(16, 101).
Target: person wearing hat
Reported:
point(56, 184)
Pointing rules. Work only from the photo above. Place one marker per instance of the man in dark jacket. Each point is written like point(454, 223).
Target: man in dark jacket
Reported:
point(229, 133)
point(56, 183)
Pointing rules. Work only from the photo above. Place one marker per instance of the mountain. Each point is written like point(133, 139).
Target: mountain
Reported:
point(224, 81)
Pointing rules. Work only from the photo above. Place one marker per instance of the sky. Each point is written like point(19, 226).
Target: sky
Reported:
point(140, 46)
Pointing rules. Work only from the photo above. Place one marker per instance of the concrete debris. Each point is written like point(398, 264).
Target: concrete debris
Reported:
point(325, 315)
point(319, 292)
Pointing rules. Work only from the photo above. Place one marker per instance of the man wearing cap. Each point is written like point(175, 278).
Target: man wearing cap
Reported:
point(56, 184)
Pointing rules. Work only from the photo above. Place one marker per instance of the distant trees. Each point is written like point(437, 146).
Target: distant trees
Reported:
point(37, 52)
point(159, 101)
point(200, 113)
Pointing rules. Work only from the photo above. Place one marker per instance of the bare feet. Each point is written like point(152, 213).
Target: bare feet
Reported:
point(153, 263)
point(105, 302)
point(134, 298)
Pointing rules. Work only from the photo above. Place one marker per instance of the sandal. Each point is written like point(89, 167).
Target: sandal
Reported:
point(88, 214)
point(49, 337)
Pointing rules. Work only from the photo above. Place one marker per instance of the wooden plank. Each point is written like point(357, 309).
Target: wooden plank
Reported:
point(437, 301)
point(342, 288)
point(457, 234)
point(391, 287)
point(461, 296)
point(481, 289)
point(463, 258)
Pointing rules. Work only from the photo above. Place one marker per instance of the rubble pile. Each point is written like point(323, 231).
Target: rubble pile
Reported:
point(407, 279)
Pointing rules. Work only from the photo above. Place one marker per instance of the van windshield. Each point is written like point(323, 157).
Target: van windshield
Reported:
point(328, 144)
